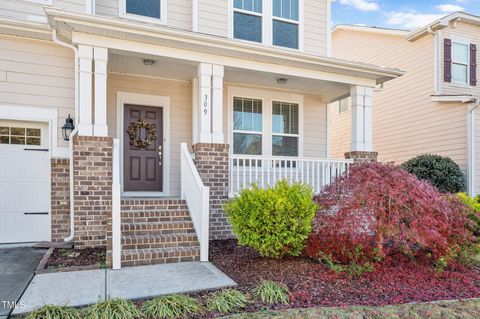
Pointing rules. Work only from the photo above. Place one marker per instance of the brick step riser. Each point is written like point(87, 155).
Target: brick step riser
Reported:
point(161, 261)
point(145, 242)
point(159, 245)
point(153, 232)
point(157, 227)
point(156, 219)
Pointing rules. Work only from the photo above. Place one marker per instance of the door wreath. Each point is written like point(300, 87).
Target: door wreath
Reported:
point(135, 139)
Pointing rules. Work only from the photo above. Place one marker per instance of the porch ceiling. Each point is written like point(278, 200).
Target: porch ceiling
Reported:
point(176, 69)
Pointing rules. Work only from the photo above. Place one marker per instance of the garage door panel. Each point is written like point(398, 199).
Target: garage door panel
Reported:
point(24, 195)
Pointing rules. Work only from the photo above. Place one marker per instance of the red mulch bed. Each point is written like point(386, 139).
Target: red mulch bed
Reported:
point(63, 258)
point(395, 281)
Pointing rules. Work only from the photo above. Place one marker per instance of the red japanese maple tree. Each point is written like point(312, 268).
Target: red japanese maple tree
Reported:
point(385, 210)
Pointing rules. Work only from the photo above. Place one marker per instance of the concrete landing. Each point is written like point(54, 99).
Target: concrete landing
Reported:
point(83, 288)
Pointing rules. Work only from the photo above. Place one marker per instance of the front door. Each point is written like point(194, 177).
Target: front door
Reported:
point(143, 149)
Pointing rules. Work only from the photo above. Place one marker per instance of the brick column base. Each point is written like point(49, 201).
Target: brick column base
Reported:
point(92, 180)
point(211, 161)
point(60, 198)
point(359, 156)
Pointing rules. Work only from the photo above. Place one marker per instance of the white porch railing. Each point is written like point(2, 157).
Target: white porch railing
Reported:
point(265, 171)
point(116, 208)
point(197, 197)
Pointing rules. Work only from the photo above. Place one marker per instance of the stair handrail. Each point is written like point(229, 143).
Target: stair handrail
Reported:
point(116, 207)
point(197, 196)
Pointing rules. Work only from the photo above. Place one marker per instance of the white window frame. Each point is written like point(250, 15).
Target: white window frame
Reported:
point(163, 13)
point(267, 24)
point(286, 134)
point(44, 2)
point(466, 43)
point(231, 16)
point(249, 132)
point(267, 97)
point(340, 105)
point(300, 26)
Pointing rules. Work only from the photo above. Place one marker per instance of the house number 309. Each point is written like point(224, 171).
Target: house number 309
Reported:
point(205, 104)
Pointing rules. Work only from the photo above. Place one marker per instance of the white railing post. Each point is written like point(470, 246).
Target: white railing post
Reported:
point(197, 197)
point(116, 208)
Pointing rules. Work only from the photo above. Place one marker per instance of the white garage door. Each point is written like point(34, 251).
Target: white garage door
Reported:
point(24, 183)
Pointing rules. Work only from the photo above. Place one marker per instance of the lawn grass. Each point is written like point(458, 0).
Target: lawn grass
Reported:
point(439, 310)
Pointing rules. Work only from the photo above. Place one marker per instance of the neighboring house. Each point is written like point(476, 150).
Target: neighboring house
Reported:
point(244, 84)
point(429, 110)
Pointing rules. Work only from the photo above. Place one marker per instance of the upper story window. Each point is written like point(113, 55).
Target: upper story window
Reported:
point(460, 62)
point(247, 20)
point(286, 23)
point(146, 10)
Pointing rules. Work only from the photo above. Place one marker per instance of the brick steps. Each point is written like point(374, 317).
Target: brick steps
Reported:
point(157, 231)
point(151, 256)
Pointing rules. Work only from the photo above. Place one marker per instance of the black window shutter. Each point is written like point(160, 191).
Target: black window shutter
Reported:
point(447, 52)
point(473, 65)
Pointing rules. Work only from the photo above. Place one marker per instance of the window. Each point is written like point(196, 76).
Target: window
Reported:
point(247, 20)
point(343, 105)
point(285, 129)
point(153, 10)
point(20, 136)
point(286, 23)
point(247, 126)
point(460, 62)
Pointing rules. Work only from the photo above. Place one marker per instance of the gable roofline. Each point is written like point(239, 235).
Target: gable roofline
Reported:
point(443, 23)
point(371, 29)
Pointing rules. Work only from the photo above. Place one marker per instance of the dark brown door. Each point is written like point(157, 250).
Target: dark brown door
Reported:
point(143, 164)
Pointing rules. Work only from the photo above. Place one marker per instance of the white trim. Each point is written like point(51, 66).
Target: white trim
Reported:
point(267, 98)
point(452, 98)
point(329, 28)
point(90, 6)
point(152, 101)
point(464, 42)
point(37, 114)
point(122, 8)
point(100, 127)
point(437, 60)
point(347, 27)
point(195, 9)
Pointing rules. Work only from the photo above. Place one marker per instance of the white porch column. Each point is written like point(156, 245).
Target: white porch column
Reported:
point(85, 56)
point(217, 104)
point(205, 102)
point(101, 59)
point(362, 121)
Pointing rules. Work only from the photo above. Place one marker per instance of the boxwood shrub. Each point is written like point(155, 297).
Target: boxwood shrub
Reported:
point(441, 172)
point(274, 221)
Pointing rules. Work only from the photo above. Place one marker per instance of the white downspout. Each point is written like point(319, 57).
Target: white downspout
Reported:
point(471, 147)
point(75, 131)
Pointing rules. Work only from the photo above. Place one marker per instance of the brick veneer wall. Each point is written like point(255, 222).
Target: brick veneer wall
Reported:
point(211, 161)
point(60, 183)
point(359, 156)
point(92, 176)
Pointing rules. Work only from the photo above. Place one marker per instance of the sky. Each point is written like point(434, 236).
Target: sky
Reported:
point(398, 14)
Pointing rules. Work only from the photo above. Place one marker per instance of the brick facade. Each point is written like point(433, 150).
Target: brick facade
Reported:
point(211, 161)
point(60, 177)
point(359, 156)
point(92, 177)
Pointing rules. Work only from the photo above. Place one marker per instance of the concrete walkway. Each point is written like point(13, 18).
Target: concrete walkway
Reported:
point(83, 288)
point(17, 266)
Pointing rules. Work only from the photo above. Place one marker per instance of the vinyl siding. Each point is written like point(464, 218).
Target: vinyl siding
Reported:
point(315, 27)
point(469, 33)
point(37, 73)
point(406, 122)
point(180, 113)
point(179, 12)
point(477, 151)
point(33, 11)
point(213, 17)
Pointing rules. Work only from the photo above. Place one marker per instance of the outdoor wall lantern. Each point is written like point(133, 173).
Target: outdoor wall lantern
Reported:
point(68, 128)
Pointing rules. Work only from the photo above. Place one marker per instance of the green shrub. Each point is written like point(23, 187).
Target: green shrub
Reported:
point(272, 293)
point(55, 312)
point(355, 268)
point(474, 215)
point(113, 309)
point(171, 307)
point(441, 172)
point(226, 301)
point(274, 221)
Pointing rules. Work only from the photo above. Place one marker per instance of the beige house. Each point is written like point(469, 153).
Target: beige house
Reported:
point(128, 123)
point(429, 110)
